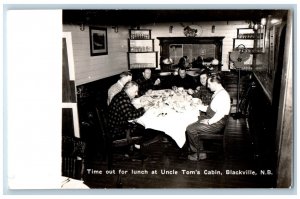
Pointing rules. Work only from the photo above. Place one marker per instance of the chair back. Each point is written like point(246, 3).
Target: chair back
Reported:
point(101, 115)
point(110, 144)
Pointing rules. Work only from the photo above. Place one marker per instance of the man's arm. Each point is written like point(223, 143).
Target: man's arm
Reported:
point(130, 112)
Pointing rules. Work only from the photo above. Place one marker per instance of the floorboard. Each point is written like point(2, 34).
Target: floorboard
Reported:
point(209, 173)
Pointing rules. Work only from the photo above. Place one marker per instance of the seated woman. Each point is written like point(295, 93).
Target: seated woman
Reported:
point(215, 119)
point(202, 92)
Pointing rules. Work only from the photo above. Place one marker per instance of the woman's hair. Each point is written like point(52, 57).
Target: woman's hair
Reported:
point(205, 72)
point(215, 78)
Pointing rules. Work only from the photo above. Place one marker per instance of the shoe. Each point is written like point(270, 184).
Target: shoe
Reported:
point(139, 157)
point(202, 156)
point(193, 157)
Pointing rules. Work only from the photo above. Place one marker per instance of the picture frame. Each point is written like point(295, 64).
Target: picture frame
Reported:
point(98, 41)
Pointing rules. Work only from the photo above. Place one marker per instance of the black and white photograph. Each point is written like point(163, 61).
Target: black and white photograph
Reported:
point(184, 99)
point(158, 98)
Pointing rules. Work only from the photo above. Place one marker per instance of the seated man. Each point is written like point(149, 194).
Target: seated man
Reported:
point(146, 83)
point(121, 112)
point(202, 92)
point(183, 80)
point(215, 119)
point(118, 86)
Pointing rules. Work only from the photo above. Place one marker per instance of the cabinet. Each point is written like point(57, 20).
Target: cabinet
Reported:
point(141, 52)
point(254, 43)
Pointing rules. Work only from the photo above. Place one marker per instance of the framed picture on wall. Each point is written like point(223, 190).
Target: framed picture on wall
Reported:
point(98, 41)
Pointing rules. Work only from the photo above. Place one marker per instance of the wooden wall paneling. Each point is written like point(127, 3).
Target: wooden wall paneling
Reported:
point(285, 131)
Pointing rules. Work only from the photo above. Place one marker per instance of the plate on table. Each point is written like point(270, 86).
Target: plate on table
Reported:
point(180, 88)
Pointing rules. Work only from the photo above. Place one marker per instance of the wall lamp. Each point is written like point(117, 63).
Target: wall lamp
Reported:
point(170, 29)
point(260, 25)
point(274, 21)
point(82, 27)
point(213, 28)
point(116, 28)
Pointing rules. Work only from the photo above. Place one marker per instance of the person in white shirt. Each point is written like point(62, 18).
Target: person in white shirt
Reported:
point(118, 86)
point(213, 121)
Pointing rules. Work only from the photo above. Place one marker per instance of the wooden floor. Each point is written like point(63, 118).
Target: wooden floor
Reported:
point(167, 157)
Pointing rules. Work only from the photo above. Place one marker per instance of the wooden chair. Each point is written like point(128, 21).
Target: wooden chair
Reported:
point(73, 157)
point(111, 145)
point(219, 137)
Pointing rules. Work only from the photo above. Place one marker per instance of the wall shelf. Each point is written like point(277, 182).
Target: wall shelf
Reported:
point(141, 52)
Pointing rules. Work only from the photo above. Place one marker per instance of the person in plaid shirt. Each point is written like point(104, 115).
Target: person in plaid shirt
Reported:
point(121, 111)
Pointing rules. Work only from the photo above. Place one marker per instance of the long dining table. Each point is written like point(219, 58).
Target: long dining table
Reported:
point(169, 111)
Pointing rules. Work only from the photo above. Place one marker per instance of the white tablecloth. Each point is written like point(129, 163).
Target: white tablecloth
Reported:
point(171, 116)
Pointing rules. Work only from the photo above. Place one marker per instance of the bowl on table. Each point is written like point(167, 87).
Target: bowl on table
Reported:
point(149, 92)
point(180, 89)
